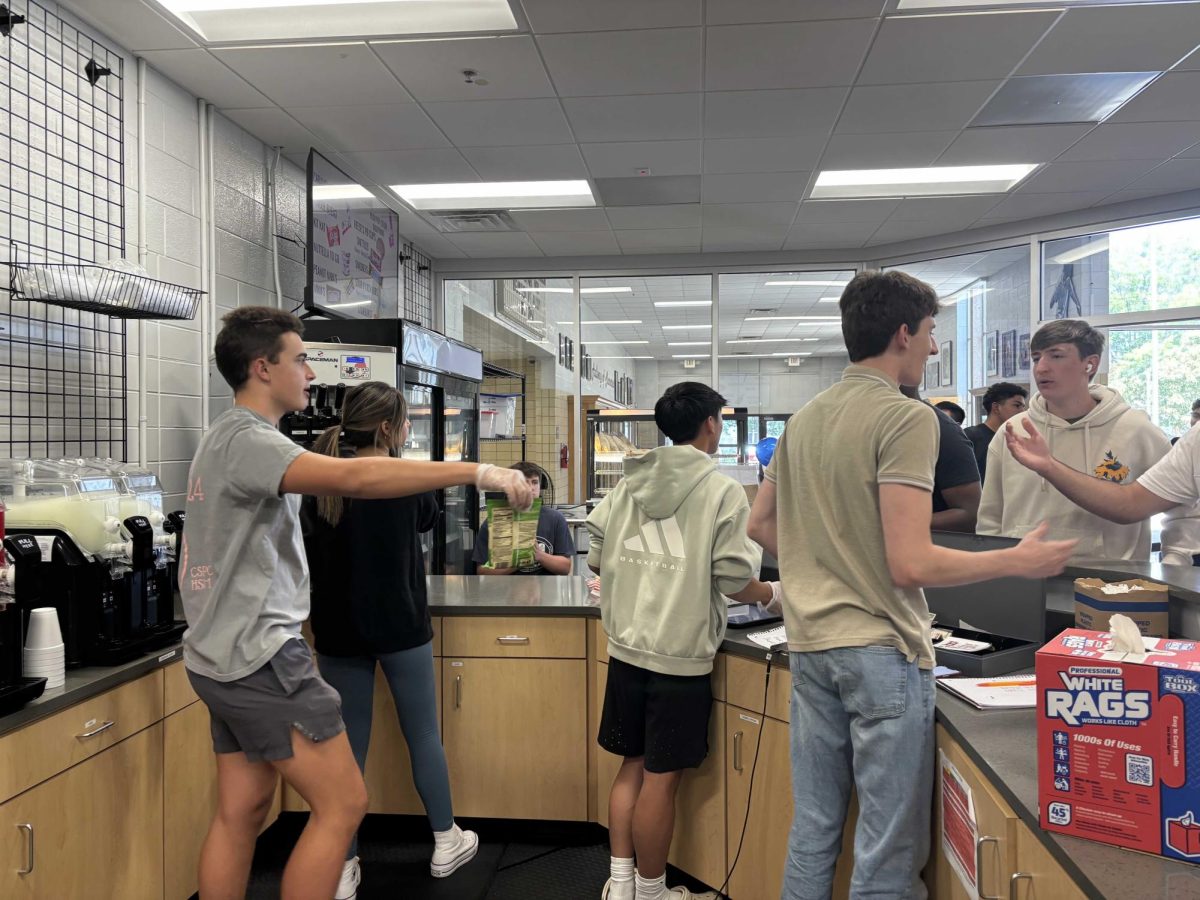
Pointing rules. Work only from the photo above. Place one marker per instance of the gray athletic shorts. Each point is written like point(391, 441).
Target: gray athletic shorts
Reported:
point(255, 715)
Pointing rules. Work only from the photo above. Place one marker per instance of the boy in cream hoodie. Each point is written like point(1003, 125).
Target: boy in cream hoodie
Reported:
point(1089, 428)
point(669, 542)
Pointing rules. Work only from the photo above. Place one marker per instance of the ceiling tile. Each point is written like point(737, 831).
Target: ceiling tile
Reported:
point(1049, 99)
point(762, 155)
point(747, 215)
point(275, 128)
point(489, 245)
point(755, 57)
point(526, 163)
point(853, 151)
point(826, 212)
point(1011, 144)
point(1071, 177)
point(945, 209)
point(501, 123)
point(576, 243)
point(138, 26)
point(549, 16)
point(681, 216)
point(952, 48)
point(736, 12)
point(1138, 38)
point(659, 61)
point(666, 189)
point(1175, 97)
point(780, 113)
point(891, 232)
point(913, 107)
point(828, 235)
point(545, 220)
point(724, 240)
point(439, 247)
point(1146, 140)
point(316, 74)
point(644, 117)
point(432, 70)
point(1174, 175)
point(1030, 206)
point(206, 76)
point(622, 160)
point(358, 128)
point(660, 240)
point(433, 166)
point(753, 188)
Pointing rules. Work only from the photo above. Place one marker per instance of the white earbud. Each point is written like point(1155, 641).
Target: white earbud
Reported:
point(1090, 368)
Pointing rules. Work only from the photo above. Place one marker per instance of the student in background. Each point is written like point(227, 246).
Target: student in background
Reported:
point(669, 543)
point(369, 608)
point(953, 410)
point(1001, 402)
point(555, 550)
point(845, 508)
point(1088, 427)
point(956, 489)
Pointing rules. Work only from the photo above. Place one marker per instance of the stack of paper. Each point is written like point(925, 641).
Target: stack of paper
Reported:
point(769, 638)
point(998, 692)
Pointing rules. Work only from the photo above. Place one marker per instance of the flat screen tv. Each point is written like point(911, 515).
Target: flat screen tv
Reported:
point(353, 247)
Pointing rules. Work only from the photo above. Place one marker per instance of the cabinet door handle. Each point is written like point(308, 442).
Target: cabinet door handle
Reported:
point(97, 730)
point(1017, 878)
point(979, 842)
point(458, 692)
point(512, 639)
point(737, 751)
point(28, 829)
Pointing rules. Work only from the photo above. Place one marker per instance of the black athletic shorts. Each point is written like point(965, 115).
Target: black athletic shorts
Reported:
point(661, 717)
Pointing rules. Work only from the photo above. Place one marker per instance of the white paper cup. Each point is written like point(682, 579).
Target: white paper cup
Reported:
point(43, 631)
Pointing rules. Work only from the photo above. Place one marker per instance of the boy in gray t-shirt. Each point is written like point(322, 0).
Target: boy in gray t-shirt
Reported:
point(244, 581)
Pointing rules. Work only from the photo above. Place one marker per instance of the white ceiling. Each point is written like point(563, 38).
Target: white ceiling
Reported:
point(742, 102)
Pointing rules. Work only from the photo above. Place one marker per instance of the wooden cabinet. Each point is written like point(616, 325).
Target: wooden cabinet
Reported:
point(189, 796)
point(96, 830)
point(177, 690)
point(389, 765)
point(698, 846)
point(606, 764)
point(745, 685)
point(1039, 876)
point(521, 637)
point(759, 872)
point(515, 735)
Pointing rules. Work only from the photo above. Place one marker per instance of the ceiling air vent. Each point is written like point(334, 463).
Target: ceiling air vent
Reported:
point(477, 220)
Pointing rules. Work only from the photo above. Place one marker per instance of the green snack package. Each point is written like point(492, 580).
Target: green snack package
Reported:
point(512, 534)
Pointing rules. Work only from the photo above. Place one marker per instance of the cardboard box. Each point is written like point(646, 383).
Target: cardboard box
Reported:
point(1148, 603)
point(1119, 742)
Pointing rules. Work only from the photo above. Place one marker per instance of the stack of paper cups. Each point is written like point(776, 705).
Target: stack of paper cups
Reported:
point(45, 654)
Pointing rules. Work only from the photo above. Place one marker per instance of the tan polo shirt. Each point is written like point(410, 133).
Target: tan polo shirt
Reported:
point(827, 468)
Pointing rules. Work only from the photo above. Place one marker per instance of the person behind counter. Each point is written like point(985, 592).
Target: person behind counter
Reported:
point(668, 542)
point(845, 508)
point(1001, 402)
point(1091, 428)
point(554, 553)
point(956, 488)
point(953, 410)
point(245, 588)
point(369, 607)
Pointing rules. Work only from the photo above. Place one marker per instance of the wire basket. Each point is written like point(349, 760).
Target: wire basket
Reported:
point(99, 289)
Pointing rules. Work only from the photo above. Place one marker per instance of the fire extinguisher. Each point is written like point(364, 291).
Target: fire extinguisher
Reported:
point(564, 457)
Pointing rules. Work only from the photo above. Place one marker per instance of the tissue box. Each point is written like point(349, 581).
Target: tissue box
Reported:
point(1118, 742)
point(1146, 602)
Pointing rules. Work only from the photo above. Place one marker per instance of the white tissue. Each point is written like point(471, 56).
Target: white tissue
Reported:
point(1126, 638)
point(1119, 587)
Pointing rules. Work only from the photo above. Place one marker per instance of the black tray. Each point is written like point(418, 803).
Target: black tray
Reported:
point(1007, 654)
point(17, 695)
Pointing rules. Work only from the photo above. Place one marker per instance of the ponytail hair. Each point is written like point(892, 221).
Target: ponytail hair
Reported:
point(367, 407)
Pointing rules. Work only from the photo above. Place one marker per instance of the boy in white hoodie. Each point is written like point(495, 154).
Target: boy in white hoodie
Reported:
point(1088, 427)
point(669, 543)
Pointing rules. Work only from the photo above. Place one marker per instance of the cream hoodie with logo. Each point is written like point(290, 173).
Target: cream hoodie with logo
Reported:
point(1113, 441)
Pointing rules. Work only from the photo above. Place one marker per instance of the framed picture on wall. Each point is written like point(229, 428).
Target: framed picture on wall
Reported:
point(946, 359)
point(991, 354)
point(1008, 354)
point(1023, 352)
point(932, 374)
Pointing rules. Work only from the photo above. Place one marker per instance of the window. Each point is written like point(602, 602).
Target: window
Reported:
point(1156, 368)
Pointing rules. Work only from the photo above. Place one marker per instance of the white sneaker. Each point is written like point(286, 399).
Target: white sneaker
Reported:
point(682, 893)
point(623, 891)
point(450, 860)
point(351, 875)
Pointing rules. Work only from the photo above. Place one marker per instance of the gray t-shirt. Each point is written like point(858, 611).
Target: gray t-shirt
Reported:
point(243, 574)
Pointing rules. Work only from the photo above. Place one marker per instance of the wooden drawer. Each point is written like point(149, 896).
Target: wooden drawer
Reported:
point(599, 641)
point(43, 749)
point(177, 690)
point(513, 636)
point(744, 687)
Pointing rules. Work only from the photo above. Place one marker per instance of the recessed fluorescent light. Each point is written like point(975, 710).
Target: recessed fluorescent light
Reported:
point(622, 357)
point(793, 319)
point(341, 192)
point(929, 181)
point(1077, 253)
point(606, 290)
point(766, 341)
point(561, 290)
point(599, 343)
point(673, 303)
point(689, 356)
point(497, 195)
point(947, 4)
point(347, 305)
point(689, 343)
point(829, 299)
point(806, 283)
point(609, 322)
point(762, 355)
point(810, 339)
point(684, 327)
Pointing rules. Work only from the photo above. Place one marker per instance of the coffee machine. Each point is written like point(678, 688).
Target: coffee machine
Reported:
point(106, 559)
point(15, 689)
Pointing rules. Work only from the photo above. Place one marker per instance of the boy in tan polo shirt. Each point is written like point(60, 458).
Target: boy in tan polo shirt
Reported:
point(845, 508)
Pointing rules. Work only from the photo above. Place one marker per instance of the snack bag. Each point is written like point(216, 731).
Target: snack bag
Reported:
point(512, 534)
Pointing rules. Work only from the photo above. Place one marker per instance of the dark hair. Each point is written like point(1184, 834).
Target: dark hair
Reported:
point(1087, 340)
point(683, 409)
point(364, 411)
point(1001, 391)
point(875, 304)
point(247, 334)
point(528, 469)
point(953, 410)
point(1195, 404)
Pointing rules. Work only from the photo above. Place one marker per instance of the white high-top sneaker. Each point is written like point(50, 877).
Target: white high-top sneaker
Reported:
point(453, 852)
point(347, 888)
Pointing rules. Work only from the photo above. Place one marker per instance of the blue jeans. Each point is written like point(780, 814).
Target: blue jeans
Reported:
point(410, 675)
point(861, 717)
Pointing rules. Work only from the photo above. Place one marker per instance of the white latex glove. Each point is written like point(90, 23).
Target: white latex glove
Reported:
point(775, 604)
point(513, 483)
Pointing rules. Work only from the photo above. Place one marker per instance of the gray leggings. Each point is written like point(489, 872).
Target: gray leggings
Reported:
point(410, 675)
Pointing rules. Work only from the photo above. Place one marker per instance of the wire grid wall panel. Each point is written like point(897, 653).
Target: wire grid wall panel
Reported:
point(62, 195)
point(418, 287)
